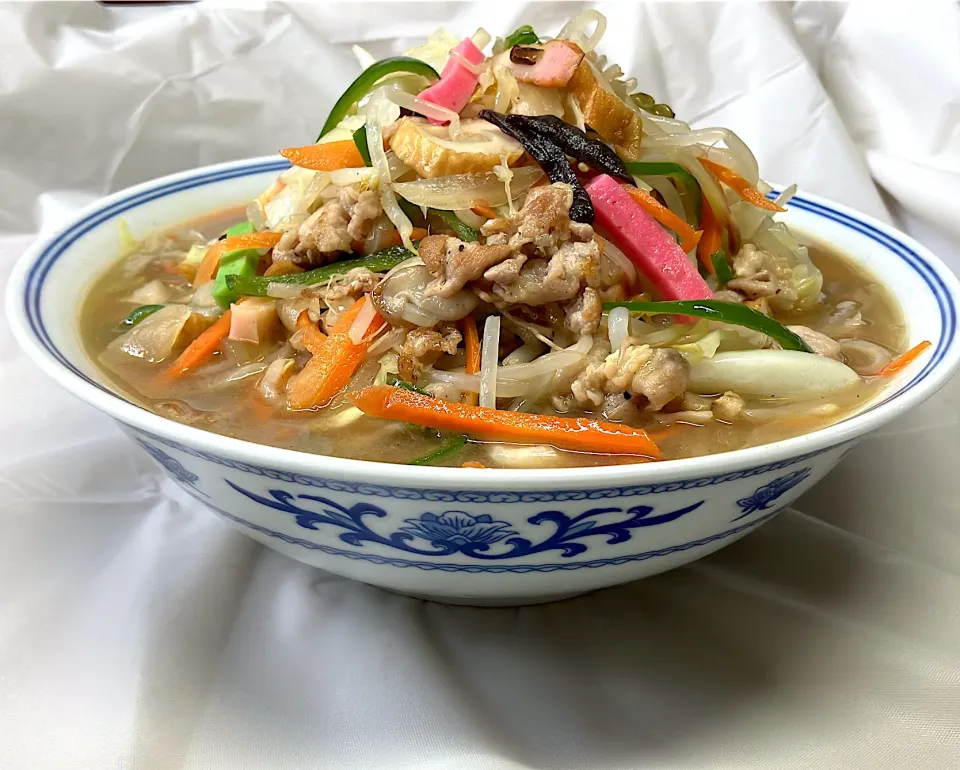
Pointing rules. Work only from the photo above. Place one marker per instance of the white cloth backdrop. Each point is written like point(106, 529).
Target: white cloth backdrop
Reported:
point(139, 631)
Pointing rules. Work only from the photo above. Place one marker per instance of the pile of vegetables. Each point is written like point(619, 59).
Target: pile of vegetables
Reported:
point(449, 138)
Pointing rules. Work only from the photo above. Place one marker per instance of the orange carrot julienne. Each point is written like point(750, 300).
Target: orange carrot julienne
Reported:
point(211, 260)
point(418, 233)
point(689, 238)
point(904, 359)
point(333, 363)
point(202, 348)
point(471, 343)
point(739, 185)
point(712, 239)
point(578, 434)
point(483, 210)
point(328, 156)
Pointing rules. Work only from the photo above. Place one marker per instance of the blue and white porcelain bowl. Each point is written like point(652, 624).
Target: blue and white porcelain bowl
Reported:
point(465, 535)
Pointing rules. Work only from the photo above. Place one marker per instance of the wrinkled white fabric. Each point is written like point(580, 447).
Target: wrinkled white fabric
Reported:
point(138, 631)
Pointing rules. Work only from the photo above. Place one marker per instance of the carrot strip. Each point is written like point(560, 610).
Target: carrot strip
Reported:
point(202, 348)
point(313, 339)
point(689, 238)
point(333, 363)
point(282, 268)
point(712, 239)
point(904, 359)
point(328, 156)
point(418, 234)
point(483, 210)
point(211, 260)
point(739, 185)
point(471, 343)
point(579, 434)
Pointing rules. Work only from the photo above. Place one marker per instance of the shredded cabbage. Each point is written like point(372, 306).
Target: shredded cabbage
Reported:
point(436, 50)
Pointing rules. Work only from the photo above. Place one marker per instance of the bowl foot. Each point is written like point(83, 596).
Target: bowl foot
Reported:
point(479, 601)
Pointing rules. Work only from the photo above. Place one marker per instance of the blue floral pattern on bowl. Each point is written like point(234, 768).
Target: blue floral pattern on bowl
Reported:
point(457, 532)
point(765, 496)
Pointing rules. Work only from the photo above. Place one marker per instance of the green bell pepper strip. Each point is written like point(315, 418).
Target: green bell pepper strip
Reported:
point(256, 286)
point(718, 310)
point(369, 78)
point(244, 228)
point(360, 139)
point(462, 229)
point(137, 315)
point(395, 381)
point(521, 36)
point(687, 185)
point(449, 447)
point(721, 267)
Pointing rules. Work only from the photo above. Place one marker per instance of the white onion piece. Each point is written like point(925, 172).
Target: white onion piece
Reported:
point(386, 342)
point(771, 374)
point(863, 356)
point(203, 296)
point(481, 38)
point(784, 197)
point(344, 177)
point(508, 90)
point(708, 185)
point(378, 114)
point(233, 376)
point(621, 260)
point(154, 338)
point(536, 100)
point(524, 354)
point(470, 219)
point(670, 195)
point(618, 327)
point(489, 358)
point(156, 292)
point(275, 378)
point(363, 56)
point(361, 323)
point(427, 109)
point(284, 290)
point(706, 139)
point(462, 191)
point(398, 168)
point(575, 30)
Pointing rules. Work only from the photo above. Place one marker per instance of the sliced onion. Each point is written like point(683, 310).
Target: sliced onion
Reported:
point(463, 191)
point(363, 56)
point(863, 356)
point(480, 38)
point(284, 290)
point(470, 219)
point(670, 195)
point(575, 30)
point(621, 260)
point(233, 375)
point(358, 330)
point(275, 378)
point(771, 374)
point(706, 139)
point(156, 292)
point(489, 358)
point(427, 109)
point(618, 327)
point(526, 353)
point(378, 114)
point(154, 338)
point(344, 177)
point(784, 197)
point(398, 169)
point(507, 88)
point(386, 342)
point(536, 100)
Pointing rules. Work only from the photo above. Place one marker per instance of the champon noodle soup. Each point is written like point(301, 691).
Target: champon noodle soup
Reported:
point(499, 254)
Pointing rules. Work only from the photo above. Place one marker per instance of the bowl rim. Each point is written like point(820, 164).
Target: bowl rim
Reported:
point(26, 282)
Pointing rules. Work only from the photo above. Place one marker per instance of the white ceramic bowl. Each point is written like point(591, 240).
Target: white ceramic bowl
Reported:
point(465, 535)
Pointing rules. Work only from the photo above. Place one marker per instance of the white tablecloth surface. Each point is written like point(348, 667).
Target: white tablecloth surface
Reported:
point(139, 631)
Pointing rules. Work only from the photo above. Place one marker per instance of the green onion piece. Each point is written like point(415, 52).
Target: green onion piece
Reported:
point(718, 310)
point(256, 286)
point(721, 267)
point(364, 84)
point(395, 381)
point(360, 139)
point(462, 229)
point(521, 36)
point(687, 185)
point(449, 447)
point(139, 314)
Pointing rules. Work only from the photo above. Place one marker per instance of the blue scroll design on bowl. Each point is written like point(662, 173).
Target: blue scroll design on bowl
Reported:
point(765, 496)
point(457, 532)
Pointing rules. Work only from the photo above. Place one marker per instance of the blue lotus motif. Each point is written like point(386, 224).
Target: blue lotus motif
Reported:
point(765, 496)
point(458, 528)
point(458, 532)
point(172, 465)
